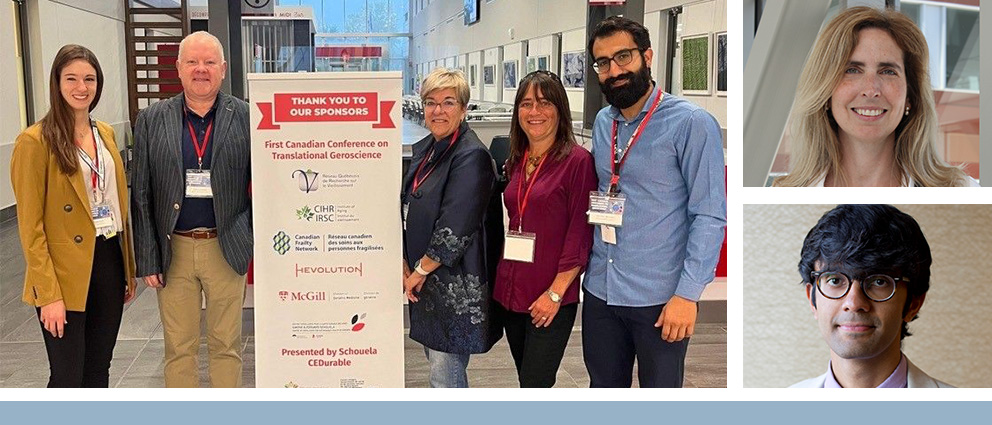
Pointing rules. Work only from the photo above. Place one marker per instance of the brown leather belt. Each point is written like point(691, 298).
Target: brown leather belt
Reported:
point(198, 233)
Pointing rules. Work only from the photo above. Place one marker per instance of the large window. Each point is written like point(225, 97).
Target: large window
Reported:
point(361, 35)
point(355, 53)
point(952, 34)
point(358, 16)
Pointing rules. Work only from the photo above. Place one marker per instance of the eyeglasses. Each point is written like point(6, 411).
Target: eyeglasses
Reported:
point(446, 105)
point(622, 58)
point(836, 285)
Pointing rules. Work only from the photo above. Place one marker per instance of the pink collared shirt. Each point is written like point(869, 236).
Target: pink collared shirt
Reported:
point(898, 379)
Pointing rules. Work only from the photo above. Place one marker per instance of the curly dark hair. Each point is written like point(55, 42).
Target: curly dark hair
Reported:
point(869, 238)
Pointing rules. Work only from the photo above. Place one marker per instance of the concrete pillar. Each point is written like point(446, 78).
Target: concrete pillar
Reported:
point(224, 22)
point(985, 105)
point(785, 36)
point(593, 98)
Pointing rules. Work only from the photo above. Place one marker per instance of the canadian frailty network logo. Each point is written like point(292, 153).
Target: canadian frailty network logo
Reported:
point(280, 242)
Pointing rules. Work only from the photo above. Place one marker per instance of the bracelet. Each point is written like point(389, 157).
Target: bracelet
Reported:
point(420, 270)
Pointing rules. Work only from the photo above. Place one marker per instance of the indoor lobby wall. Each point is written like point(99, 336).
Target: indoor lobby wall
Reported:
point(708, 17)
point(96, 24)
point(508, 29)
point(439, 32)
point(11, 98)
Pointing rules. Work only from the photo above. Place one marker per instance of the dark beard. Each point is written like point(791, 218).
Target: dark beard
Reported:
point(628, 94)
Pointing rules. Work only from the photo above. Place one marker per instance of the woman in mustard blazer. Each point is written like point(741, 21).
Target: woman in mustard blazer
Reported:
point(71, 195)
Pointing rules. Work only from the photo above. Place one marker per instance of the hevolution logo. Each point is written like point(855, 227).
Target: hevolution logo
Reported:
point(280, 242)
point(358, 322)
point(305, 269)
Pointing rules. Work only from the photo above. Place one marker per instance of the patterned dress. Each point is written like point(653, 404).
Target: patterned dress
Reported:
point(445, 221)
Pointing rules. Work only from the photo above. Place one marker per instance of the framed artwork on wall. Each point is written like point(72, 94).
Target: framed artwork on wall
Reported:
point(542, 62)
point(696, 64)
point(489, 75)
point(721, 64)
point(510, 74)
point(531, 64)
point(573, 69)
point(472, 69)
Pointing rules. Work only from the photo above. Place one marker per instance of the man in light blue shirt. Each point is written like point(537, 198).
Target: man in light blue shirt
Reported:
point(663, 156)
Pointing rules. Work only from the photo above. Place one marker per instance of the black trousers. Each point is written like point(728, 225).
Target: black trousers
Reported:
point(537, 352)
point(613, 336)
point(81, 358)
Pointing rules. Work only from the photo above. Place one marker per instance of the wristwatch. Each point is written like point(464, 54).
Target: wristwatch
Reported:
point(420, 270)
point(555, 298)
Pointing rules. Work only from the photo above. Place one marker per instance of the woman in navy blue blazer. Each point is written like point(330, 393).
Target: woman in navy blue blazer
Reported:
point(445, 196)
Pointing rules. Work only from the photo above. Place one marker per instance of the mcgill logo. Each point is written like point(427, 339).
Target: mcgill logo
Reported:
point(303, 296)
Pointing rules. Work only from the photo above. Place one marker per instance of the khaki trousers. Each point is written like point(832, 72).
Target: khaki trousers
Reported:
point(198, 266)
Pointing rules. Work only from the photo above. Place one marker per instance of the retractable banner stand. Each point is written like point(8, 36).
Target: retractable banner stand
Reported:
point(326, 164)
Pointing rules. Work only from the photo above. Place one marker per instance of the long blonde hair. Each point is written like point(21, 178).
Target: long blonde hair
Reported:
point(815, 144)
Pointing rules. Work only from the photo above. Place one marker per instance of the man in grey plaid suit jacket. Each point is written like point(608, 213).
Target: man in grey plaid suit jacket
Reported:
point(192, 214)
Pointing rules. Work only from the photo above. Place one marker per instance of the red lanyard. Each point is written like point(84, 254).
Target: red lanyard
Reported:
point(417, 180)
point(617, 166)
point(94, 164)
point(200, 150)
point(522, 202)
point(95, 175)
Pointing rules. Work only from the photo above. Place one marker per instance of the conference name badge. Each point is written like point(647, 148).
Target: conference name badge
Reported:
point(606, 208)
point(198, 184)
point(103, 220)
point(519, 246)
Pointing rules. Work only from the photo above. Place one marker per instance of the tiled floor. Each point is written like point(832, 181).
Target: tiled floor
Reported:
point(138, 356)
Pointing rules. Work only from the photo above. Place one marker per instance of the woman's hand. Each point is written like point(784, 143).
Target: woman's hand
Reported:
point(53, 317)
point(543, 310)
point(129, 292)
point(412, 284)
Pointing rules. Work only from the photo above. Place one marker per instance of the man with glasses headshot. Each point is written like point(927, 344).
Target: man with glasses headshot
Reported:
point(867, 271)
point(659, 214)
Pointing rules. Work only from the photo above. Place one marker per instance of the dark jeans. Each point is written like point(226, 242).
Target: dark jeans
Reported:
point(537, 352)
point(612, 336)
point(81, 358)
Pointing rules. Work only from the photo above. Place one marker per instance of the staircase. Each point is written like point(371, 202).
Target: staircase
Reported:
point(152, 32)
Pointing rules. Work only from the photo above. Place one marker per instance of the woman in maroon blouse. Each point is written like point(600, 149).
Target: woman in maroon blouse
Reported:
point(548, 243)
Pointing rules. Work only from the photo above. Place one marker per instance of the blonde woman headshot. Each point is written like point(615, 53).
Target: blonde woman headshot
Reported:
point(864, 112)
